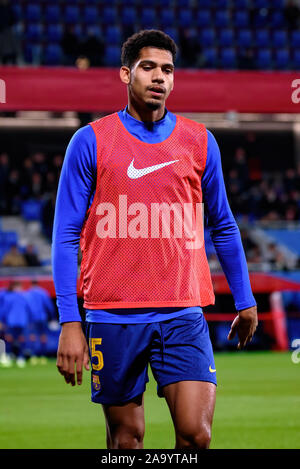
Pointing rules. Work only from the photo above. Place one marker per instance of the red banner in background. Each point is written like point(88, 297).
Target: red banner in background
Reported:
point(260, 283)
point(100, 90)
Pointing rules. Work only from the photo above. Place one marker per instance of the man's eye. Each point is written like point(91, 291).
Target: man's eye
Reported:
point(147, 67)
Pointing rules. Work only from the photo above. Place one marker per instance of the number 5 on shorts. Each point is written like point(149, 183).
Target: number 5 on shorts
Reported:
point(96, 353)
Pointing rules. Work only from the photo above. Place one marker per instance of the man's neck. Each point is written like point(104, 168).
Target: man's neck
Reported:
point(146, 115)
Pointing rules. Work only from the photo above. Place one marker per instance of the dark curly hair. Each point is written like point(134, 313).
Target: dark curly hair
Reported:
point(146, 38)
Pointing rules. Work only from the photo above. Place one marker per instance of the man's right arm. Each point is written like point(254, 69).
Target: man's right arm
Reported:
point(75, 190)
point(76, 186)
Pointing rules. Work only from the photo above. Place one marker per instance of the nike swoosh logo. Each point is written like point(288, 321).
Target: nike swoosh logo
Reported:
point(211, 369)
point(134, 173)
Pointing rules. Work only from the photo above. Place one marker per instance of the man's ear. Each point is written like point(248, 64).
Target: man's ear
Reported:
point(125, 75)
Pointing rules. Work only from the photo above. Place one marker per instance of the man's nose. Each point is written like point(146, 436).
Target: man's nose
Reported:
point(158, 76)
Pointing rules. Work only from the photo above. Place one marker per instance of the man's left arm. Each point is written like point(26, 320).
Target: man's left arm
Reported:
point(227, 241)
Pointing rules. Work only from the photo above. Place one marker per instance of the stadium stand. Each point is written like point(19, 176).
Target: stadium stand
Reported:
point(270, 30)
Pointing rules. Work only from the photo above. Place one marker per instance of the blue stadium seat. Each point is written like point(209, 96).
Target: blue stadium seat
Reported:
point(109, 15)
point(34, 32)
point(128, 16)
point(222, 19)
point(244, 38)
point(241, 4)
point(295, 39)
point(112, 56)
point(207, 37)
point(279, 4)
point(90, 15)
point(223, 4)
point(52, 54)
point(111, 3)
point(277, 19)
point(280, 38)
point(33, 12)
point(54, 32)
point(78, 30)
point(93, 30)
point(173, 33)
point(226, 37)
point(148, 18)
point(165, 3)
point(113, 35)
point(241, 19)
point(203, 18)
point(261, 3)
point(18, 11)
point(264, 59)
point(167, 18)
point(52, 13)
point(71, 14)
point(210, 57)
point(8, 238)
point(204, 3)
point(261, 19)
point(262, 38)
point(148, 3)
point(32, 53)
point(184, 3)
point(31, 210)
point(228, 58)
point(282, 59)
point(185, 18)
point(296, 59)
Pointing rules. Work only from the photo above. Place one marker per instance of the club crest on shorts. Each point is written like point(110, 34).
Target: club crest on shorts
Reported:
point(96, 382)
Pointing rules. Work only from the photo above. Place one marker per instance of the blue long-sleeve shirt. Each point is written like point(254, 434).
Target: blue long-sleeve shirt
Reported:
point(75, 194)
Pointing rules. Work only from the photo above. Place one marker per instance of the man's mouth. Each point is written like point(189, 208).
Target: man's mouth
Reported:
point(157, 90)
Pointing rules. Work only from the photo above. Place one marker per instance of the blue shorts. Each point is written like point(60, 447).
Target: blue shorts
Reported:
point(178, 349)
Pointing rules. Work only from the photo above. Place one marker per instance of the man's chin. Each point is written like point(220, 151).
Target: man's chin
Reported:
point(153, 105)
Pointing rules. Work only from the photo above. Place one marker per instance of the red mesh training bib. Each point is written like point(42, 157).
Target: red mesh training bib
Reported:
point(142, 240)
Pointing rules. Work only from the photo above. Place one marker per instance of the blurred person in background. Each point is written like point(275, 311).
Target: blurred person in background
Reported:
point(8, 41)
point(4, 172)
point(31, 256)
point(39, 162)
point(292, 14)
point(14, 258)
point(190, 49)
point(93, 49)
point(16, 318)
point(41, 311)
point(246, 59)
point(70, 45)
point(12, 189)
point(48, 216)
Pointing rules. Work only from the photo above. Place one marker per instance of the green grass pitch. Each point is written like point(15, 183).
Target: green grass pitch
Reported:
point(258, 406)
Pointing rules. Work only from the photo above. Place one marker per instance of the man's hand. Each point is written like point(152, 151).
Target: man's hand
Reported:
point(244, 325)
point(72, 348)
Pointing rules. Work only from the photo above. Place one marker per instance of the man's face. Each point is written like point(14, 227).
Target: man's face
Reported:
point(151, 77)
